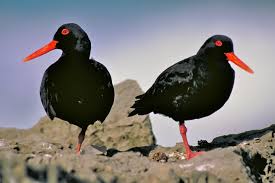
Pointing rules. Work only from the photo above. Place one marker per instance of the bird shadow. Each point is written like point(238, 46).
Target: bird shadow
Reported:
point(144, 150)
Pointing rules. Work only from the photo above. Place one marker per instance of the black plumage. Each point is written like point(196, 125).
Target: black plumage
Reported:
point(78, 91)
point(194, 87)
point(75, 88)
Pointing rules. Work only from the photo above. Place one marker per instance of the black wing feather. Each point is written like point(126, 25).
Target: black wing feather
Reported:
point(48, 98)
point(171, 89)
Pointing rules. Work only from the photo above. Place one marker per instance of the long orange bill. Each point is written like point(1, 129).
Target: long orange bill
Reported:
point(45, 49)
point(233, 58)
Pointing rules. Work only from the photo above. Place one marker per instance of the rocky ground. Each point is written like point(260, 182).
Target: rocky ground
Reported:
point(123, 150)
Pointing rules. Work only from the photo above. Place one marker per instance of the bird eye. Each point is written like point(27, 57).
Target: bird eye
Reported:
point(218, 43)
point(65, 32)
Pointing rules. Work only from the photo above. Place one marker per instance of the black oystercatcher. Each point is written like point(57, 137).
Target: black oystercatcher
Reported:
point(193, 88)
point(75, 88)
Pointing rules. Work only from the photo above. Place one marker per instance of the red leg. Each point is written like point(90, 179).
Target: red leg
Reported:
point(78, 147)
point(189, 153)
point(81, 138)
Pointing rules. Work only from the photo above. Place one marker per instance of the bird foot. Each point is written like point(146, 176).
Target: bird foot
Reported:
point(190, 155)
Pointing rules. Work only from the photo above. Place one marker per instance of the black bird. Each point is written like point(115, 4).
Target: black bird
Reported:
point(75, 88)
point(194, 87)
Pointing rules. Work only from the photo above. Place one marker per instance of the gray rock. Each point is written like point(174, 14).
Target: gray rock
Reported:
point(248, 161)
point(119, 131)
point(16, 170)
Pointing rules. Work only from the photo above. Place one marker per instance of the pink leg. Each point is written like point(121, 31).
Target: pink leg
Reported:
point(189, 153)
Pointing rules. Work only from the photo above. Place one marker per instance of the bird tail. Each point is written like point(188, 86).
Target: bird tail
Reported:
point(139, 107)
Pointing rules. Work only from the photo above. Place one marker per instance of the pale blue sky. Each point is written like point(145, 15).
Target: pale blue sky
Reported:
point(138, 39)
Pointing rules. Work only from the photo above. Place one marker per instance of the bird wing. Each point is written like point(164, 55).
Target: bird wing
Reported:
point(172, 84)
point(177, 82)
point(102, 74)
point(49, 95)
point(179, 74)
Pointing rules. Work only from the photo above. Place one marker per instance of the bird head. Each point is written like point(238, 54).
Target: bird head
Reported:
point(70, 38)
point(220, 47)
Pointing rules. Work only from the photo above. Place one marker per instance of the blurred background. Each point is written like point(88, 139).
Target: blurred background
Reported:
point(138, 39)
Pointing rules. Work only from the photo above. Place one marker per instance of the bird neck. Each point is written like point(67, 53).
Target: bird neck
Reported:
point(76, 55)
point(220, 65)
point(214, 62)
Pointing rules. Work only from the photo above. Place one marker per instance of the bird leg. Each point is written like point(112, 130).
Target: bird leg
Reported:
point(189, 153)
point(81, 138)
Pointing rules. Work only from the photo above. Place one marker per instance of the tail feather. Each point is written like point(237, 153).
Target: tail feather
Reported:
point(139, 96)
point(134, 112)
point(139, 107)
point(139, 111)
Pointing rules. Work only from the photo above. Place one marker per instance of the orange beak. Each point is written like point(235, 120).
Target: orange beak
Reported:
point(45, 49)
point(233, 58)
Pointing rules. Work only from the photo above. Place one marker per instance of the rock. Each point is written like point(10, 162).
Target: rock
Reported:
point(16, 170)
point(235, 139)
point(119, 131)
point(250, 160)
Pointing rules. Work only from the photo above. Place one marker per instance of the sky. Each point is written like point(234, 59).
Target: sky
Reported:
point(138, 39)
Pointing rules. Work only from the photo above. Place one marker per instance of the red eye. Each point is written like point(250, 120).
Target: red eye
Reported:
point(218, 43)
point(65, 32)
